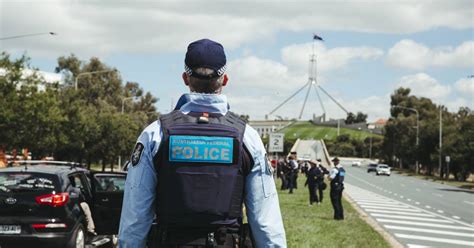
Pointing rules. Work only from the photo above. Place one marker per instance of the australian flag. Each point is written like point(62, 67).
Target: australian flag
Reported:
point(315, 37)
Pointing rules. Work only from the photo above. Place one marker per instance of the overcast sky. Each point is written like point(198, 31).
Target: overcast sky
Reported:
point(370, 47)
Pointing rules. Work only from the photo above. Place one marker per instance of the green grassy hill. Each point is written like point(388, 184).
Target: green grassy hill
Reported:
point(307, 130)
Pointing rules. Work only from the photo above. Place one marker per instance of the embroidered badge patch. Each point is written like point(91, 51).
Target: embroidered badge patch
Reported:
point(137, 153)
point(201, 149)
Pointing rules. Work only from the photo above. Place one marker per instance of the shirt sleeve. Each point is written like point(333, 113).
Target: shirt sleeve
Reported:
point(261, 199)
point(333, 173)
point(139, 196)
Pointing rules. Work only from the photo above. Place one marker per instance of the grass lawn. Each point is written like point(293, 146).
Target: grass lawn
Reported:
point(307, 130)
point(314, 226)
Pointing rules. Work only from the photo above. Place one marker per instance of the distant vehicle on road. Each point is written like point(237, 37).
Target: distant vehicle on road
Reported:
point(383, 169)
point(372, 167)
point(40, 204)
point(356, 163)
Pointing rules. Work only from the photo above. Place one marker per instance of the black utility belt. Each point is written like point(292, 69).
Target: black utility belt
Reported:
point(205, 237)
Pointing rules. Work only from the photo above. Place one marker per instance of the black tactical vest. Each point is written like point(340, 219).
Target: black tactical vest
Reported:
point(199, 167)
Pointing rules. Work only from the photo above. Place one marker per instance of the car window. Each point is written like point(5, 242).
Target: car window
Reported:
point(27, 182)
point(110, 183)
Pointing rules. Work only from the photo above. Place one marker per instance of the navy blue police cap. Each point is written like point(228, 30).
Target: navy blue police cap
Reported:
point(208, 54)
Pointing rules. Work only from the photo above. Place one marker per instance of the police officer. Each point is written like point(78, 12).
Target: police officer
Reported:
point(337, 186)
point(312, 183)
point(195, 167)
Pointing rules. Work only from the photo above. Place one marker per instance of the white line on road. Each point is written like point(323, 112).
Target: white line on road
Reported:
point(424, 230)
point(410, 218)
point(388, 208)
point(432, 239)
point(417, 203)
point(398, 213)
point(428, 206)
point(417, 246)
point(456, 217)
point(468, 202)
point(408, 199)
point(425, 224)
point(402, 196)
point(384, 205)
point(440, 211)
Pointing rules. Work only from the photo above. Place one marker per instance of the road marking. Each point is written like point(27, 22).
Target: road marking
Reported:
point(424, 230)
point(410, 218)
point(417, 246)
point(395, 194)
point(384, 205)
point(408, 199)
point(425, 224)
point(402, 196)
point(427, 206)
point(439, 195)
point(389, 208)
point(432, 239)
point(417, 203)
point(456, 217)
point(440, 211)
point(468, 202)
point(398, 212)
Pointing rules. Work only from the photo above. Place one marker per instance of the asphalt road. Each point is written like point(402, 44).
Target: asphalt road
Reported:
point(418, 213)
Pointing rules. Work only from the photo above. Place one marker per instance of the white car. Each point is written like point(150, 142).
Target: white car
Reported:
point(356, 163)
point(382, 169)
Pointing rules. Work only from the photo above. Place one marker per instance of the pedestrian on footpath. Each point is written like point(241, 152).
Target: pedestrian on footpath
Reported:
point(337, 186)
point(193, 193)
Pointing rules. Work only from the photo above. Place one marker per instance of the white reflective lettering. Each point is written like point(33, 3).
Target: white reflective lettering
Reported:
point(187, 152)
point(225, 154)
point(214, 153)
point(196, 153)
point(176, 151)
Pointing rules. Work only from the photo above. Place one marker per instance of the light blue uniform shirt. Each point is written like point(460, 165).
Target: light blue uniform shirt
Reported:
point(261, 199)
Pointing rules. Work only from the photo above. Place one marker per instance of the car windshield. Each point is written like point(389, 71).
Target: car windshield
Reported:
point(372, 165)
point(383, 166)
point(26, 182)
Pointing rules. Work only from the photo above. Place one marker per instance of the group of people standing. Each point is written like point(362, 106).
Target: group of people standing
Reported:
point(314, 171)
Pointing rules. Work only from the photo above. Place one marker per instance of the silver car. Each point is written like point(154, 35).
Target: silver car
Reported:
point(383, 169)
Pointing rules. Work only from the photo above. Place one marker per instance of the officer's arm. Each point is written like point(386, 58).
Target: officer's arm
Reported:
point(137, 210)
point(261, 199)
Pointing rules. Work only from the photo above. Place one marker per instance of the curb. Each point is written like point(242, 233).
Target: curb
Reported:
point(374, 224)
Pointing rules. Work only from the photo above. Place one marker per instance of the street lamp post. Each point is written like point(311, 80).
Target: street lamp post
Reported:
point(27, 35)
point(417, 131)
point(89, 73)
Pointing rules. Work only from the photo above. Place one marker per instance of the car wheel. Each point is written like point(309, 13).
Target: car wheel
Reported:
point(376, 173)
point(78, 239)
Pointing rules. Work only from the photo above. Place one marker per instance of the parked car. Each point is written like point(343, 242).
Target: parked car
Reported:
point(383, 169)
point(372, 167)
point(40, 204)
point(356, 163)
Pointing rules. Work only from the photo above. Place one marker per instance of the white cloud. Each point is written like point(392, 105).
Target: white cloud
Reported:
point(297, 56)
point(412, 55)
point(104, 27)
point(465, 86)
point(424, 85)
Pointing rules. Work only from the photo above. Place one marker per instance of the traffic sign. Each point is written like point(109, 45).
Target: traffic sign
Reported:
point(275, 143)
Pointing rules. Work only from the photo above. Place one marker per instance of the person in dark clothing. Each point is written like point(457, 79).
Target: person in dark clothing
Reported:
point(337, 186)
point(321, 185)
point(282, 171)
point(293, 175)
point(312, 183)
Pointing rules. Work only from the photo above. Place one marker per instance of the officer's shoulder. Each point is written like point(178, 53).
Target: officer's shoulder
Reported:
point(151, 131)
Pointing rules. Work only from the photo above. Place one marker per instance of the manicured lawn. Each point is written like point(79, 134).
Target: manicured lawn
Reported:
point(314, 226)
point(306, 130)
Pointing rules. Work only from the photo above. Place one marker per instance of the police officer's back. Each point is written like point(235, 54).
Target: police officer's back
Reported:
point(195, 166)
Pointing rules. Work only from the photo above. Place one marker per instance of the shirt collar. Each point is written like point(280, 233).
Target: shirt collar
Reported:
point(199, 102)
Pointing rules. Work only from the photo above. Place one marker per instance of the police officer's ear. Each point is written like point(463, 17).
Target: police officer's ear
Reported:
point(185, 78)
point(226, 78)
